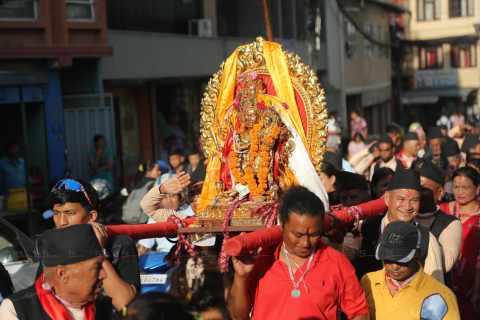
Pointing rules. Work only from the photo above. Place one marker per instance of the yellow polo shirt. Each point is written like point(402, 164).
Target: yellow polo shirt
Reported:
point(407, 302)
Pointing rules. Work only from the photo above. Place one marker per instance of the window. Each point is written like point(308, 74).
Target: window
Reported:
point(383, 49)
point(431, 58)
point(369, 48)
point(18, 10)
point(428, 10)
point(464, 56)
point(460, 8)
point(387, 40)
point(350, 39)
point(80, 10)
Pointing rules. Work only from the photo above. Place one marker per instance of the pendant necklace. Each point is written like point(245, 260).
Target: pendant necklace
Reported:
point(295, 292)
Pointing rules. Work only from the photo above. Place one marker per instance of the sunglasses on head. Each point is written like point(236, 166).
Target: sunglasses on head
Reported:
point(70, 184)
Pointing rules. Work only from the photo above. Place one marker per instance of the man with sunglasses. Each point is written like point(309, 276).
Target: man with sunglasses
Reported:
point(76, 202)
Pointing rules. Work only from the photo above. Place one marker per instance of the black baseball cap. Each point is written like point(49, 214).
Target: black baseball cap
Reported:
point(399, 242)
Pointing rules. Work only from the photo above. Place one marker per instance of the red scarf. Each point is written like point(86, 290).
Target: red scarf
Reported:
point(54, 308)
point(405, 160)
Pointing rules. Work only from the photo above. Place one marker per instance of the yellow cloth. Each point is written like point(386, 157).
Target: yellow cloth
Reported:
point(278, 70)
point(407, 302)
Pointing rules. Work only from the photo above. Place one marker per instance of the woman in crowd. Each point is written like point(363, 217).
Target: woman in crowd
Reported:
point(380, 181)
point(328, 176)
point(466, 272)
point(144, 180)
point(101, 160)
point(357, 144)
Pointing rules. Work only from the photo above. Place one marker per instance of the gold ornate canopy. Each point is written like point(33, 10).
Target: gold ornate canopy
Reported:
point(297, 86)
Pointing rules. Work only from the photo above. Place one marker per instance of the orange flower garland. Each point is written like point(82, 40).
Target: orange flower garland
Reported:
point(248, 176)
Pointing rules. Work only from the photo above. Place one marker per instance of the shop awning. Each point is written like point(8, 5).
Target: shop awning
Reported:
point(432, 96)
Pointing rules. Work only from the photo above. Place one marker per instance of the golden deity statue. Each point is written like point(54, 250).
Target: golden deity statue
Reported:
point(263, 127)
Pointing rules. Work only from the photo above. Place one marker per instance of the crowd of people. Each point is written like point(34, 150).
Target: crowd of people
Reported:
point(420, 259)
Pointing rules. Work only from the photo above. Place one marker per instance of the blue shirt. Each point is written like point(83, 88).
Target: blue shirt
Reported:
point(12, 175)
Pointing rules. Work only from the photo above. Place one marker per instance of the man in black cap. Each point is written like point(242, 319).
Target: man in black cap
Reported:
point(408, 154)
point(72, 279)
point(435, 140)
point(447, 229)
point(386, 149)
point(451, 151)
point(394, 131)
point(403, 201)
point(353, 189)
point(76, 202)
point(402, 290)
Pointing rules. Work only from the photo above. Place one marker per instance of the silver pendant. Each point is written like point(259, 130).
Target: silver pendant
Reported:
point(295, 293)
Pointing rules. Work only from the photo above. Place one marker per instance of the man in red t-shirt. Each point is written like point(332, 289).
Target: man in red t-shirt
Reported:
point(301, 278)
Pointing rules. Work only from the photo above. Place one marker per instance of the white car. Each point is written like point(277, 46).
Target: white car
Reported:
point(17, 254)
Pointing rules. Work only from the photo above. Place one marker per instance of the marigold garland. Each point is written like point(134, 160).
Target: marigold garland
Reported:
point(259, 185)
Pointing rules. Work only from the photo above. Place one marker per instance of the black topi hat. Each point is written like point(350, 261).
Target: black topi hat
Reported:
point(399, 242)
point(435, 133)
point(405, 179)
point(410, 136)
point(70, 245)
point(450, 148)
point(351, 181)
point(428, 170)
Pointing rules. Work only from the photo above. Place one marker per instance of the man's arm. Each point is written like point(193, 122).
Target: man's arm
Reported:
point(116, 288)
point(362, 317)
point(151, 201)
point(238, 301)
point(352, 298)
point(150, 204)
point(114, 285)
point(450, 241)
point(433, 261)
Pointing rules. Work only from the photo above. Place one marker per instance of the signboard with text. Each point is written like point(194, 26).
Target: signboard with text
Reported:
point(436, 78)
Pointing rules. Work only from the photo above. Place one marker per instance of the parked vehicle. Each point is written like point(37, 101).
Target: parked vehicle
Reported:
point(155, 273)
point(17, 254)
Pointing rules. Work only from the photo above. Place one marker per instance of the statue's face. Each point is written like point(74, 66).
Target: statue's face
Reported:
point(252, 91)
point(250, 118)
point(220, 186)
point(249, 112)
point(267, 120)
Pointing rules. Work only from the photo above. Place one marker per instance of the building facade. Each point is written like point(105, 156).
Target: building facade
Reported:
point(442, 64)
point(166, 51)
point(49, 52)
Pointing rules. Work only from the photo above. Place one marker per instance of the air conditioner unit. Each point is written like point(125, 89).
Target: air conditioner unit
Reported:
point(200, 27)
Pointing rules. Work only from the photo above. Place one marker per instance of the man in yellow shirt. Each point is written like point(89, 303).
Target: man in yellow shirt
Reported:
point(402, 290)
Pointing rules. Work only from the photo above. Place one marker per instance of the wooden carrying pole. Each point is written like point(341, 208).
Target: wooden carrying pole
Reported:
point(267, 20)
